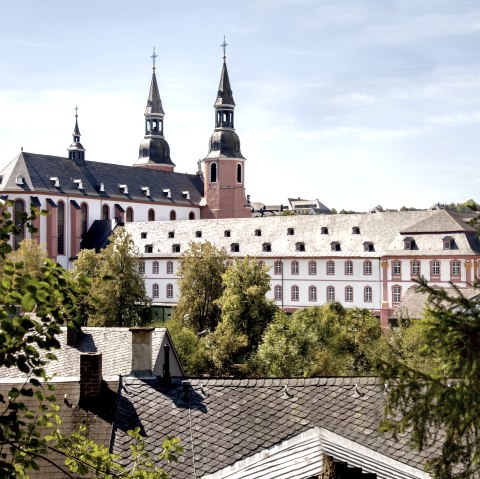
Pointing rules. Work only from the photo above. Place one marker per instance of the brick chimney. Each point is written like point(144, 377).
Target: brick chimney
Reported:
point(90, 375)
point(141, 351)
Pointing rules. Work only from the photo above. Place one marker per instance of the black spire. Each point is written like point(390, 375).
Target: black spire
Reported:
point(76, 151)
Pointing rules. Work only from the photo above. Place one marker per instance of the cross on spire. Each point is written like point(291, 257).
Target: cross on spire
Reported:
point(153, 58)
point(224, 45)
point(76, 111)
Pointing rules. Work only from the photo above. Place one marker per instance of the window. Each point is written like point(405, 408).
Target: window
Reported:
point(169, 290)
point(176, 248)
point(448, 242)
point(455, 268)
point(330, 267)
point(173, 215)
point(228, 263)
point(84, 218)
point(105, 212)
point(227, 233)
point(396, 268)
point(213, 173)
point(198, 234)
point(151, 215)
point(191, 215)
point(415, 268)
point(234, 247)
point(18, 214)
point(409, 243)
point(367, 294)
point(300, 247)
point(129, 214)
point(266, 247)
point(258, 232)
point(330, 294)
point(169, 267)
point(312, 293)
point(278, 267)
point(348, 294)
point(277, 292)
point(367, 267)
point(295, 267)
point(435, 268)
point(261, 262)
point(155, 268)
point(396, 293)
point(143, 235)
point(324, 230)
point(312, 267)
point(356, 230)
point(295, 293)
point(335, 246)
point(348, 267)
point(171, 234)
point(155, 291)
point(149, 248)
point(290, 231)
point(239, 173)
point(141, 267)
point(61, 227)
point(368, 246)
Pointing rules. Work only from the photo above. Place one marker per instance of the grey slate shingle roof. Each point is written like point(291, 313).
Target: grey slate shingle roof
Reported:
point(38, 169)
point(226, 420)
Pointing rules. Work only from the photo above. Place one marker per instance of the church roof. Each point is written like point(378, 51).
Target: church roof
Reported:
point(38, 171)
point(154, 102)
point(224, 96)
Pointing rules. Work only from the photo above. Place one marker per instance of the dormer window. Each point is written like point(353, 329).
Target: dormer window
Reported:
point(409, 243)
point(368, 246)
point(290, 231)
point(146, 190)
point(335, 246)
point(300, 247)
point(54, 179)
point(258, 232)
point(186, 194)
point(124, 188)
point(149, 248)
point(227, 233)
point(167, 192)
point(324, 230)
point(176, 248)
point(101, 187)
point(267, 247)
point(79, 184)
point(356, 230)
point(235, 248)
point(198, 234)
point(448, 242)
point(143, 235)
point(171, 234)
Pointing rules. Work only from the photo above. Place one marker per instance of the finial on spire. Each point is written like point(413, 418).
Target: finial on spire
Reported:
point(224, 45)
point(153, 58)
point(76, 111)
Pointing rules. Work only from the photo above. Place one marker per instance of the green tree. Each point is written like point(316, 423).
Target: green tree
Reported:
point(200, 285)
point(243, 303)
point(441, 409)
point(325, 340)
point(31, 254)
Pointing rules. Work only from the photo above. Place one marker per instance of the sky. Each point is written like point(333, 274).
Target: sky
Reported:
point(356, 102)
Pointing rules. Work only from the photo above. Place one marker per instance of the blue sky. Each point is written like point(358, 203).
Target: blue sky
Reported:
point(354, 102)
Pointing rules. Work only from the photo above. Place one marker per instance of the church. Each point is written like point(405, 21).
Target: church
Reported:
point(86, 199)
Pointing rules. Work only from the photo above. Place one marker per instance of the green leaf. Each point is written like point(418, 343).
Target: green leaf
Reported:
point(28, 302)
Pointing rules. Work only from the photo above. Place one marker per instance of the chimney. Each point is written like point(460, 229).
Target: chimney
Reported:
point(90, 375)
point(141, 351)
point(71, 336)
point(166, 378)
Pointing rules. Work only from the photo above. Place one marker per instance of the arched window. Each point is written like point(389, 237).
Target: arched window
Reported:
point(141, 267)
point(129, 215)
point(84, 218)
point(312, 267)
point(278, 267)
point(61, 227)
point(367, 267)
point(239, 173)
point(105, 212)
point(169, 290)
point(18, 216)
point(191, 215)
point(330, 267)
point(367, 294)
point(155, 267)
point(349, 294)
point(294, 267)
point(173, 215)
point(277, 292)
point(169, 267)
point(213, 173)
point(151, 214)
point(295, 293)
point(312, 293)
point(330, 294)
point(155, 291)
point(396, 293)
point(348, 267)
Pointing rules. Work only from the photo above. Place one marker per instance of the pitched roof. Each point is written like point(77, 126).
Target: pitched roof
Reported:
point(443, 221)
point(224, 96)
point(154, 102)
point(224, 421)
point(39, 169)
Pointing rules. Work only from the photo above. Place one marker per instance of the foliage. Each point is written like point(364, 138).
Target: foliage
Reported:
point(324, 340)
point(200, 285)
point(31, 254)
point(117, 287)
point(441, 408)
point(466, 206)
point(243, 303)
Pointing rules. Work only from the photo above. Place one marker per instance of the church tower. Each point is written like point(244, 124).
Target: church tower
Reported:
point(224, 166)
point(76, 151)
point(154, 151)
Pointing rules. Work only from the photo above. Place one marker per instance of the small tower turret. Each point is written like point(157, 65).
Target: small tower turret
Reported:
point(76, 151)
point(154, 151)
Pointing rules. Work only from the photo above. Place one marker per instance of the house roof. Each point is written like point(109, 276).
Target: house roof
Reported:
point(442, 222)
point(37, 171)
point(222, 422)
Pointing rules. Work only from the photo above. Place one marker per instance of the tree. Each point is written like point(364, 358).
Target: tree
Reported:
point(117, 287)
point(324, 340)
point(31, 254)
point(441, 409)
point(243, 302)
point(200, 285)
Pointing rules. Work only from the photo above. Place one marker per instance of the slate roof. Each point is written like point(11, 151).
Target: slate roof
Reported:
point(442, 222)
point(38, 169)
point(226, 420)
point(115, 344)
point(384, 230)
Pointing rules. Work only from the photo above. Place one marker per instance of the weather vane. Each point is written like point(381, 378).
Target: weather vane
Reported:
point(153, 58)
point(224, 45)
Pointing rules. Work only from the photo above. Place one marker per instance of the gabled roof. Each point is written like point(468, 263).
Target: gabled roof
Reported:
point(442, 222)
point(39, 169)
point(222, 422)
